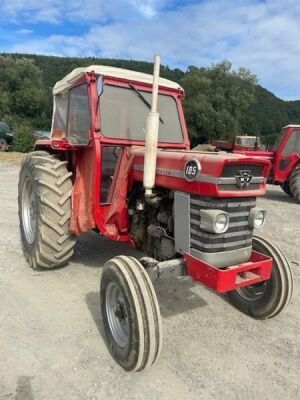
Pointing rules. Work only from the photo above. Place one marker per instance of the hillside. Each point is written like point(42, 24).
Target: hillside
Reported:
point(265, 116)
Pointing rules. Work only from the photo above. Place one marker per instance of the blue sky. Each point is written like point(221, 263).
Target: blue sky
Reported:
point(263, 36)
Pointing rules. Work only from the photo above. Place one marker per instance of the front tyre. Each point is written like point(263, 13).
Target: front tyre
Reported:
point(295, 183)
point(44, 199)
point(285, 186)
point(268, 298)
point(130, 313)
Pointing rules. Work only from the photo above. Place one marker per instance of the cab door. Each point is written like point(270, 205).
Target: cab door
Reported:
point(287, 155)
point(110, 157)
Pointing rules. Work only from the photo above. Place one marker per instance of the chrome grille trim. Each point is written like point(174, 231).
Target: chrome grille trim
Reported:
point(239, 233)
point(224, 245)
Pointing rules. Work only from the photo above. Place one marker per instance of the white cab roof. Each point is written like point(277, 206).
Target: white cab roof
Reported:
point(291, 126)
point(69, 80)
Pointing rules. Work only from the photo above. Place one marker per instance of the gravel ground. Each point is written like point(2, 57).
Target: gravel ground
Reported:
point(51, 334)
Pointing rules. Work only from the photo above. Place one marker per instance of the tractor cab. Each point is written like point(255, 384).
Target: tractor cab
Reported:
point(114, 103)
point(286, 152)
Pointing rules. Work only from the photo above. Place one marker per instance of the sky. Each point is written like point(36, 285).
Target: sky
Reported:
point(263, 36)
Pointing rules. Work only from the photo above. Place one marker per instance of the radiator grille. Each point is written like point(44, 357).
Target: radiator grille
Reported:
point(239, 233)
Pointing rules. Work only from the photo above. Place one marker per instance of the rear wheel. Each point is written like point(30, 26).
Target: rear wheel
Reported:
point(130, 313)
point(44, 210)
point(295, 183)
point(268, 298)
point(285, 186)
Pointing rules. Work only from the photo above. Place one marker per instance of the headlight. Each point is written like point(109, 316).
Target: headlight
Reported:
point(215, 221)
point(257, 217)
point(221, 222)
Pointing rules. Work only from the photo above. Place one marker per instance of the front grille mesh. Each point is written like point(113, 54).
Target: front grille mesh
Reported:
point(239, 233)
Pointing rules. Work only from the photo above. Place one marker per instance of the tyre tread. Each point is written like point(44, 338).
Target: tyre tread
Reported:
point(295, 183)
point(53, 186)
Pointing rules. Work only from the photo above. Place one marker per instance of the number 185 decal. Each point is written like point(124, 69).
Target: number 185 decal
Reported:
point(192, 169)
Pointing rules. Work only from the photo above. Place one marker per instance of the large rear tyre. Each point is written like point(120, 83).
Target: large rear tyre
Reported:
point(130, 312)
point(44, 199)
point(295, 183)
point(285, 186)
point(266, 299)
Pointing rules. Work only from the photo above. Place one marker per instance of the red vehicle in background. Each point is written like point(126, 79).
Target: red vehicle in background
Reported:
point(242, 143)
point(285, 160)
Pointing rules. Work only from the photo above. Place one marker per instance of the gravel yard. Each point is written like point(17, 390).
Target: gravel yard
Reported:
point(51, 334)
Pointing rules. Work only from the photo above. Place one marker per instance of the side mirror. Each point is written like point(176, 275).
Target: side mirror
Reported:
point(100, 85)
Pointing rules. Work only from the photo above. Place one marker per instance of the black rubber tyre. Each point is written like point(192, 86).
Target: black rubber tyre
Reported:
point(266, 299)
point(44, 199)
point(285, 186)
point(130, 313)
point(295, 183)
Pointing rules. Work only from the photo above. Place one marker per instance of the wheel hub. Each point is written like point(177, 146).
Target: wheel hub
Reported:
point(29, 211)
point(117, 314)
point(253, 292)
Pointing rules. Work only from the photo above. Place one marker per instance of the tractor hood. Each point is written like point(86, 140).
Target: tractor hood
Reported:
point(206, 173)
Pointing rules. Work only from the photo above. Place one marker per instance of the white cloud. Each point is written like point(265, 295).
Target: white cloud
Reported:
point(57, 11)
point(262, 36)
point(24, 31)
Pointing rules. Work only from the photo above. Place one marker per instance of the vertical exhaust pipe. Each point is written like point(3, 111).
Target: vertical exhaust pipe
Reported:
point(152, 135)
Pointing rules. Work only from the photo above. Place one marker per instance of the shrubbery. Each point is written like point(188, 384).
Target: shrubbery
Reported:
point(24, 139)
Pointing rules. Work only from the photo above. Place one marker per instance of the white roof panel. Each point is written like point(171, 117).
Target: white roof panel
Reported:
point(291, 126)
point(69, 80)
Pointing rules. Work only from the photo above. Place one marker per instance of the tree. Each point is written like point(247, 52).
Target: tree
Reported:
point(216, 100)
point(22, 93)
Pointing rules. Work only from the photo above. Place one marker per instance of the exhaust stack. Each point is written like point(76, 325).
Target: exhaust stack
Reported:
point(152, 135)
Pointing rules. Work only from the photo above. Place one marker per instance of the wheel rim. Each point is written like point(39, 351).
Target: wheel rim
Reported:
point(117, 314)
point(29, 211)
point(253, 292)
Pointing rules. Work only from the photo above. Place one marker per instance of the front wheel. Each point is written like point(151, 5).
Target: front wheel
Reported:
point(268, 298)
point(130, 313)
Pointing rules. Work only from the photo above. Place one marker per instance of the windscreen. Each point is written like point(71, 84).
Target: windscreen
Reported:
point(293, 144)
point(123, 113)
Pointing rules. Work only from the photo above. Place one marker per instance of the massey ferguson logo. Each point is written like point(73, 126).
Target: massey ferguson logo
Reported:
point(243, 178)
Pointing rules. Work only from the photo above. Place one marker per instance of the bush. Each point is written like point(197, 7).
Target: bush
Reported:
point(24, 139)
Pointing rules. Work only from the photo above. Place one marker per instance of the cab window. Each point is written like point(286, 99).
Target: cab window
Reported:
point(123, 113)
point(293, 144)
point(79, 115)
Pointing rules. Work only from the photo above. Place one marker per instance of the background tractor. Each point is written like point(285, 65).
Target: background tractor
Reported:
point(285, 160)
point(119, 161)
point(241, 143)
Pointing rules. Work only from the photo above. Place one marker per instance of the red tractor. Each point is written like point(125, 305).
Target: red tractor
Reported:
point(119, 162)
point(242, 143)
point(285, 160)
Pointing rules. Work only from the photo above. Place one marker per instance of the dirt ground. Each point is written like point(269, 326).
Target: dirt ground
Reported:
point(51, 338)
point(11, 157)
